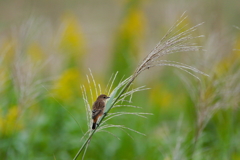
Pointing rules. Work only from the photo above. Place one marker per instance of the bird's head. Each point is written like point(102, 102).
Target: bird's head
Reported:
point(103, 97)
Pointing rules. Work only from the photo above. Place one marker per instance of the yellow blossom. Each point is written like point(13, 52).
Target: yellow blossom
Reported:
point(130, 34)
point(72, 40)
point(68, 85)
point(134, 24)
point(160, 96)
point(9, 122)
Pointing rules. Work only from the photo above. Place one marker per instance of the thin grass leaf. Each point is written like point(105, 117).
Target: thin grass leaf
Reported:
point(100, 89)
point(141, 88)
point(88, 131)
point(127, 133)
point(90, 88)
point(85, 150)
point(87, 106)
point(119, 126)
point(106, 89)
point(112, 82)
point(116, 114)
point(109, 133)
point(94, 83)
point(131, 106)
point(125, 96)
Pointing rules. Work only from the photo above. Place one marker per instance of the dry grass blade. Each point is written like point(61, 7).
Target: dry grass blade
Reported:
point(109, 133)
point(109, 81)
point(236, 27)
point(127, 133)
point(130, 93)
point(109, 91)
point(87, 106)
point(116, 114)
point(132, 106)
point(170, 43)
point(26, 81)
point(119, 126)
point(90, 88)
point(94, 83)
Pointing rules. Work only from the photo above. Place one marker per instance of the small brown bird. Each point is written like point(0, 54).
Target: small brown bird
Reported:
point(98, 107)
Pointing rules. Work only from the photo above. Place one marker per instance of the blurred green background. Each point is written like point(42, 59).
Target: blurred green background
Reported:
point(47, 47)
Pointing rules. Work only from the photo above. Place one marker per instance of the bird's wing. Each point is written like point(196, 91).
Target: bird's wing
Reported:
point(95, 113)
point(98, 107)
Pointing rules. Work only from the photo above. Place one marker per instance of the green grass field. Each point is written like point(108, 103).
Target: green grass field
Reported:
point(49, 49)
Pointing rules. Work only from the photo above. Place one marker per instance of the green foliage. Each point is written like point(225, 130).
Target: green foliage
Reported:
point(129, 35)
point(42, 113)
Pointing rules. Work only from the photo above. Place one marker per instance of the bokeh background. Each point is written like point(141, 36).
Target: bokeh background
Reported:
point(48, 46)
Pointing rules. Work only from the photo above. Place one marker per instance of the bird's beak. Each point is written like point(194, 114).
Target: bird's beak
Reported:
point(108, 97)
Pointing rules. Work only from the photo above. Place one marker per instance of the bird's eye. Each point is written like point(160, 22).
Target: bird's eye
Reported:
point(104, 97)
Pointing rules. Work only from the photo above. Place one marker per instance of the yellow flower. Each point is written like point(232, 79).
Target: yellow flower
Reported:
point(72, 41)
point(9, 123)
point(133, 26)
point(128, 40)
point(68, 85)
point(160, 96)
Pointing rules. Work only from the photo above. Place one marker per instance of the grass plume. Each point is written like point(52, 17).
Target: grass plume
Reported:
point(176, 40)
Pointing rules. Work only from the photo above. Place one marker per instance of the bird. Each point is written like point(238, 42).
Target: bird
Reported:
point(97, 108)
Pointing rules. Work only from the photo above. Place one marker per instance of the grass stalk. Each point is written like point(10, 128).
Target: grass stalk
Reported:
point(172, 42)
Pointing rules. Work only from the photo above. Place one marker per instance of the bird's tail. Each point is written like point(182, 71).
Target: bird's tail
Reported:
point(94, 125)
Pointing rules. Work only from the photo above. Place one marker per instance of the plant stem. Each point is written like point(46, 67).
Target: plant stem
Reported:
point(104, 115)
point(199, 129)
